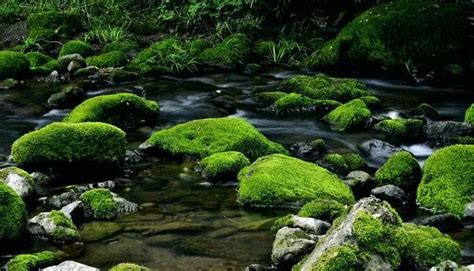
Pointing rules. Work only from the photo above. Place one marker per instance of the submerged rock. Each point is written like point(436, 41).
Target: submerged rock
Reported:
point(309, 151)
point(19, 180)
point(401, 130)
point(95, 231)
point(290, 246)
point(53, 226)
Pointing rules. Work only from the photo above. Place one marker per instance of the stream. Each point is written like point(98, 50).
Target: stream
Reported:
point(184, 223)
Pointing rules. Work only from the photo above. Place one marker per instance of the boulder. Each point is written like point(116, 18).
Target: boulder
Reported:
point(309, 151)
point(360, 182)
point(391, 194)
point(66, 59)
point(13, 65)
point(326, 210)
point(13, 215)
point(53, 226)
point(296, 104)
point(128, 267)
point(441, 133)
point(443, 222)
point(108, 60)
point(290, 246)
point(307, 224)
point(344, 163)
point(71, 266)
point(223, 166)
point(67, 98)
point(379, 150)
point(349, 116)
point(402, 170)
point(19, 180)
point(101, 204)
point(73, 193)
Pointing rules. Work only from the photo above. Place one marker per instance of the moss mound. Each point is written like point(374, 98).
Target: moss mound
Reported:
point(343, 163)
point(348, 116)
point(42, 64)
point(108, 60)
point(37, 59)
point(297, 103)
point(469, 117)
point(338, 258)
point(201, 138)
point(65, 231)
point(447, 184)
point(280, 180)
point(326, 210)
point(76, 47)
point(13, 65)
point(389, 35)
point(124, 110)
point(223, 166)
point(128, 267)
point(13, 214)
point(100, 203)
point(401, 170)
point(230, 53)
point(34, 261)
point(399, 130)
point(326, 88)
point(269, 97)
point(63, 23)
point(71, 143)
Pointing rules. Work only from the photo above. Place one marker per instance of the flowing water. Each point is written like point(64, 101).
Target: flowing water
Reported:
point(185, 224)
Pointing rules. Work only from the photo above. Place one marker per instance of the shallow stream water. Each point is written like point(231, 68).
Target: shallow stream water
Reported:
point(185, 224)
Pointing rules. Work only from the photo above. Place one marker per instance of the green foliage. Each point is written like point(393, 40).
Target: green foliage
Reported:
point(25, 262)
point(100, 203)
point(223, 166)
point(13, 65)
point(401, 170)
point(338, 258)
point(281, 222)
point(76, 47)
point(47, 68)
point(13, 215)
point(284, 51)
point(108, 60)
point(201, 138)
point(71, 143)
point(297, 103)
point(230, 53)
point(323, 209)
point(446, 185)
point(107, 34)
point(124, 110)
point(343, 163)
point(128, 267)
point(122, 46)
point(469, 116)
point(59, 22)
point(279, 180)
point(349, 116)
point(324, 87)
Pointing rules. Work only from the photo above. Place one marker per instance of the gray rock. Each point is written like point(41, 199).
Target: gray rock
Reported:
point(290, 246)
point(379, 150)
point(451, 266)
point(74, 66)
point(257, 267)
point(390, 193)
point(71, 266)
point(309, 150)
point(65, 60)
point(310, 225)
point(59, 201)
point(442, 133)
point(444, 222)
point(53, 226)
point(41, 182)
point(376, 263)
point(360, 182)
point(19, 184)
point(469, 212)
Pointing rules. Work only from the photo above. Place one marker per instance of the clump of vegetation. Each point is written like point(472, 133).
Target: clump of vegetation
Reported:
point(402, 170)
point(230, 53)
point(32, 261)
point(446, 186)
point(343, 257)
point(76, 47)
point(42, 64)
point(323, 209)
point(223, 166)
point(284, 51)
point(122, 46)
point(65, 230)
point(108, 60)
point(13, 214)
point(343, 163)
point(279, 180)
point(128, 267)
point(13, 65)
point(348, 116)
point(469, 116)
point(99, 203)
point(204, 137)
point(399, 130)
point(297, 103)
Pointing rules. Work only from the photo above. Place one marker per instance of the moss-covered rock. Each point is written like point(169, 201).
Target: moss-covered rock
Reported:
point(400, 130)
point(71, 143)
point(279, 180)
point(230, 53)
point(27, 262)
point(343, 257)
point(342, 164)
point(387, 36)
point(108, 60)
point(67, 98)
point(326, 88)
point(223, 166)
point(128, 267)
point(297, 103)
point(326, 210)
point(402, 170)
point(469, 116)
point(19, 180)
point(13, 65)
point(447, 184)
point(120, 76)
point(201, 138)
point(99, 203)
point(37, 59)
point(47, 68)
point(53, 226)
point(426, 110)
point(269, 97)
point(348, 116)
point(4, 172)
point(124, 110)
point(76, 47)
point(122, 46)
point(13, 214)
point(372, 102)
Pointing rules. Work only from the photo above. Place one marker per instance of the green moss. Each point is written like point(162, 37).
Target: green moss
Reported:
point(401, 170)
point(326, 88)
point(425, 247)
point(128, 267)
point(119, 76)
point(270, 96)
point(65, 230)
point(372, 102)
point(427, 110)
point(108, 60)
point(124, 110)
point(37, 59)
point(469, 117)
point(42, 36)
point(201, 138)
point(295, 102)
point(349, 116)
point(99, 203)
point(447, 184)
point(343, 163)
point(76, 47)
point(121, 46)
point(13, 214)
point(338, 258)
point(400, 129)
point(280, 180)
point(64, 23)
point(223, 166)
point(42, 64)
point(13, 65)
point(326, 210)
point(27, 262)
point(47, 68)
point(4, 172)
point(71, 143)
point(231, 52)
point(282, 222)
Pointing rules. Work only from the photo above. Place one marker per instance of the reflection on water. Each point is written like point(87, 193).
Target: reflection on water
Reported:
point(183, 224)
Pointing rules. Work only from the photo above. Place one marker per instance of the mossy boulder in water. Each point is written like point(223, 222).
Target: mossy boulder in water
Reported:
point(108, 60)
point(53, 226)
point(400, 130)
point(447, 184)
point(201, 138)
point(402, 170)
point(323, 209)
point(13, 65)
point(295, 103)
point(76, 47)
point(223, 166)
point(326, 88)
point(388, 36)
point(25, 262)
point(124, 110)
point(348, 116)
point(13, 214)
point(67, 98)
point(282, 181)
point(469, 116)
point(344, 163)
point(71, 143)
point(128, 267)
point(230, 53)
point(102, 204)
